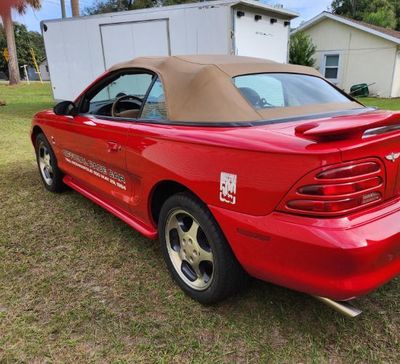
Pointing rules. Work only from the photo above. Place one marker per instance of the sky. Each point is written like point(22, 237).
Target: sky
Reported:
point(51, 10)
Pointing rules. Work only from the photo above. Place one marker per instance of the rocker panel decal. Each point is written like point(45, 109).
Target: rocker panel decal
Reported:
point(97, 169)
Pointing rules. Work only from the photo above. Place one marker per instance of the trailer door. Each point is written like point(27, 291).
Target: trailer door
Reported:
point(266, 37)
point(124, 41)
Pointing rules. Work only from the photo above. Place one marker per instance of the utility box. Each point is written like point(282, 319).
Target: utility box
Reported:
point(80, 49)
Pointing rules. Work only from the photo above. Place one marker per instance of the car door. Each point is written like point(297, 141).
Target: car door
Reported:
point(94, 143)
point(142, 146)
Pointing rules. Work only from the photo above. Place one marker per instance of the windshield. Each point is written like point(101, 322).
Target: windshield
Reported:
point(278, 90)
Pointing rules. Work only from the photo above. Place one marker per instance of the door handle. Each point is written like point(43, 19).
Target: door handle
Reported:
point(113, 147)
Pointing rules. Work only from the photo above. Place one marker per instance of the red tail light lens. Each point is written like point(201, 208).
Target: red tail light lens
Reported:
point(334, 206)
point(340, 189)
point(350, 171)
point(337, 190)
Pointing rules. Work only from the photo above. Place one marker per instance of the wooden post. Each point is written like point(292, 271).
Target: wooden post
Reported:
point(63, 11)
point(26, 73)
point(75, 7)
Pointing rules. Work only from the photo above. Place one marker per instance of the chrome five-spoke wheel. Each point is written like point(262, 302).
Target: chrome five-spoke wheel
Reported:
point(189, 250)
point(45, 164)
point(50, 174)
point(195, 250)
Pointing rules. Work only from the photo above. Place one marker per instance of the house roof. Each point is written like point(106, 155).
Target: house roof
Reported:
point(385, 33)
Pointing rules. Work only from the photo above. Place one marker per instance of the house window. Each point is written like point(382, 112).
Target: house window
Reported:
point(331, 67)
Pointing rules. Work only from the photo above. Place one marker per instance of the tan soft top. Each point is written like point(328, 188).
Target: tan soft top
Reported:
point(200, 88)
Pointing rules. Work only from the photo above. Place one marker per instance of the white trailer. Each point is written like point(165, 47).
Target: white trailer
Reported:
point(79, 49)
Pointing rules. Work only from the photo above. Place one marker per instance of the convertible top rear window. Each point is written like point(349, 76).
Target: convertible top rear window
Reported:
point(279, 90)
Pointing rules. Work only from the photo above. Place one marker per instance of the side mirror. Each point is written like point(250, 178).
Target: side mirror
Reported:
point(66, 108)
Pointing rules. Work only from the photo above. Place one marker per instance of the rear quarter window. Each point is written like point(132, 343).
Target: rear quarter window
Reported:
point(278, 90)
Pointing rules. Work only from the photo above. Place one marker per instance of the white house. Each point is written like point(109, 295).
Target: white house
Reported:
point(44, 70)
point(351, 52)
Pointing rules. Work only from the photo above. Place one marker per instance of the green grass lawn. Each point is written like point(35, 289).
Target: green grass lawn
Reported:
point(77, 285)
point(387, 104)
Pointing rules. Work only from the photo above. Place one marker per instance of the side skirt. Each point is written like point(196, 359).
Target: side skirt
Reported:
point(138, 225)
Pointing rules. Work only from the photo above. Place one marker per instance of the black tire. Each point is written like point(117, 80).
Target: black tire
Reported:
point(53, 181)
point(227, 275)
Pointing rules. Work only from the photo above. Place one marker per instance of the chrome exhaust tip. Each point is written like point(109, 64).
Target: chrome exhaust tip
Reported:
point(344, 308)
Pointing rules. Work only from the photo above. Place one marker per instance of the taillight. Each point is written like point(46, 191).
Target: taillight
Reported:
point(337, 190)
point(350, 171)
point(340, 188)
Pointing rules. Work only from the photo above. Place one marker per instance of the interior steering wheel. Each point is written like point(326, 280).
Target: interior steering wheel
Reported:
point(114, 108)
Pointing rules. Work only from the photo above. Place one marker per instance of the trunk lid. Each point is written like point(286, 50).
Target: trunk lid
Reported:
point(370, 134)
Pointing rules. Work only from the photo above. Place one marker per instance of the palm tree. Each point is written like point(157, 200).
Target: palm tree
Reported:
point(5, 12)
point(75, 7)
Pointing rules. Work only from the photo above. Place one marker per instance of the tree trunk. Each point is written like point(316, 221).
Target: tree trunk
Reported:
point(13, 68)
point(75, 7)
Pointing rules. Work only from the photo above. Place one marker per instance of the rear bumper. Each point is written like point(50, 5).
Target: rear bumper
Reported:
point(339, 258)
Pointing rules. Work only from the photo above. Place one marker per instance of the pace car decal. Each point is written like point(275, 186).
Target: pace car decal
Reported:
point(227, 188)
point(106, 174)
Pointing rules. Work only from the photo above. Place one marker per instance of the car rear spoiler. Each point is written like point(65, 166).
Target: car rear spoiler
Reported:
point(349, 127)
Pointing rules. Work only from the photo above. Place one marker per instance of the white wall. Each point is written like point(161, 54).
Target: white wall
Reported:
point(364, 58)
point(396, 78)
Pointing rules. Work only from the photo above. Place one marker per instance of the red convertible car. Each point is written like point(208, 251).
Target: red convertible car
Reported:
point(240, 166)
